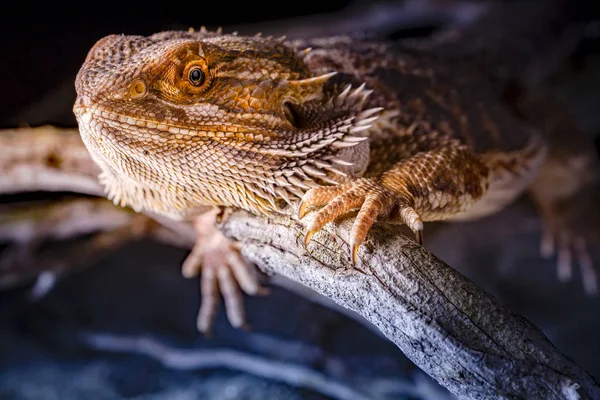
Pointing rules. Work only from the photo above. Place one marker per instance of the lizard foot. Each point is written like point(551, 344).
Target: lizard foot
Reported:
point(567, 246)
point(223, 269)
point(366, 194)
point(570, 231)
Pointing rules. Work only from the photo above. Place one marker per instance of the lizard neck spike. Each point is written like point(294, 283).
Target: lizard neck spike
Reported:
point(304, 52)
point(316, 81)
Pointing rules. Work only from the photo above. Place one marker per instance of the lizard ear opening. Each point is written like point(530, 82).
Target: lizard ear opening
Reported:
point(293, 115)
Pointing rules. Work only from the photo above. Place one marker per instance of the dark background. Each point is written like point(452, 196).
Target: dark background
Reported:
point(138, 291)
point(43, 45)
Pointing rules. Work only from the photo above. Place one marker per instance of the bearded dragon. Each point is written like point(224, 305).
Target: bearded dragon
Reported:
point(185, 122)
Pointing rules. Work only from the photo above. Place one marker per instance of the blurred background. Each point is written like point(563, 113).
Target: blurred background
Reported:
point(122, 324)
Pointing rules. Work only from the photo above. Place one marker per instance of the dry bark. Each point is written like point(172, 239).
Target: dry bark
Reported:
point(447, 326)
point(444, 323)
point(46, 159)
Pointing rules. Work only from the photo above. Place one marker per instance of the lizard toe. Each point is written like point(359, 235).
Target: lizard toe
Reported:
point(377, 204)
point(225, 273)
point(232, 296)
point(350, 197)
point(570, 247)
point(370, 197)
point(412, 219)
point(586, 265)
point(318, 196)
point(209, 305)
point(571, 250)
point(373, 206)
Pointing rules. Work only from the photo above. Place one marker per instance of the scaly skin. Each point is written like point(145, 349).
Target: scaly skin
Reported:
point(181, 121)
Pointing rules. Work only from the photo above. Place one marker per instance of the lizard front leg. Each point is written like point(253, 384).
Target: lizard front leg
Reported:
point(223, 269)
point(430, 185)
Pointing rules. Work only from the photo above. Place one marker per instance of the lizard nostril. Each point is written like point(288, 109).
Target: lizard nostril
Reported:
point(81, 108)
point(83, 101)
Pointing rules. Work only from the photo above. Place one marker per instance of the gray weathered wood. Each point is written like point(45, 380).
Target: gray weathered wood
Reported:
point(451, 329)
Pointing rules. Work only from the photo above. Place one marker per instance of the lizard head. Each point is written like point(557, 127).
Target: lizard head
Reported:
point(178, 120)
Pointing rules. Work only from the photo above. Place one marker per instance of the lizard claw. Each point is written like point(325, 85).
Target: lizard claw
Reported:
point(302, 209)
point(223, 270)
point(318, 197)
point(308, 236)
point(367, 195)
point(354, 254)
point(419, 236)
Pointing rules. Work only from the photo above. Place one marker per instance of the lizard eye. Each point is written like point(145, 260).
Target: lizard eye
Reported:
point(196, 76)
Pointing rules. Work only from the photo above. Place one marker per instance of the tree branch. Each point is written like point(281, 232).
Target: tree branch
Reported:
point(46, 158)
point(447, 326)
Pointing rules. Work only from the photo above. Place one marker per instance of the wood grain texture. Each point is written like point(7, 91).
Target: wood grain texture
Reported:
point(444, 323)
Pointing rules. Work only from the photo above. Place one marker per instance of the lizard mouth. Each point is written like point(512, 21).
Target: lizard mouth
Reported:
point(88, 114)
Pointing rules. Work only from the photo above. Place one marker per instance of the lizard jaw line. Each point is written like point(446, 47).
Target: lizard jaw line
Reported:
point(220, 130)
